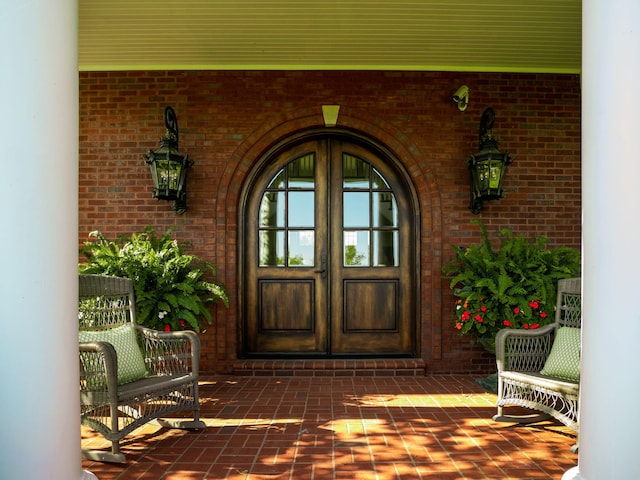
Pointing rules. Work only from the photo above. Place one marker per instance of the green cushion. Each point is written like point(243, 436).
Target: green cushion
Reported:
point(131, 365)
point(564, 358)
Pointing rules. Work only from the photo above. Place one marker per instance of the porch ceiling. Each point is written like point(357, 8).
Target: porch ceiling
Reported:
point(437, 35)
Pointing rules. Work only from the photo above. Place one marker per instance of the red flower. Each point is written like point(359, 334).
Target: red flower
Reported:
point(478, 318)
point(483, 308)
point(167, 328)
point(525, 326)
point(534, 326)
point(516, 310)
point(543, 314)
point(534, 305)
point(183, 324)
point(507, 323)
point(465, 315)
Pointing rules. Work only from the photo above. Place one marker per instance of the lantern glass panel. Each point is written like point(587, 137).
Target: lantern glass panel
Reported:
point(154, 172)
point(495, 174)
point(483, 177)
point(168, 175)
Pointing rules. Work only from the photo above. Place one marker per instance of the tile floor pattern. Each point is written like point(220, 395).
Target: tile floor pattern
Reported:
point(436, 427)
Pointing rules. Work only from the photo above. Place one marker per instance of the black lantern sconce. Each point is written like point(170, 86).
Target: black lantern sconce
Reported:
point(487, 167)
point(169, 167)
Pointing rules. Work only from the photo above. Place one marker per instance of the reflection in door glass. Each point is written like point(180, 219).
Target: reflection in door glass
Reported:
point(356, 248)
point(272, 210)
point(278, 181)
point(356, 209)
point(301, 172)
point(379, 183)
point(370, 216)
point(385, 248)
point(301, 248)
point(385, 213)
point(287, 216)
point(271, 248)
point(355, 172)
point(301, 207)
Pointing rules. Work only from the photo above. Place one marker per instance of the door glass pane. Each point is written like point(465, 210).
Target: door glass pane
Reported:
point(370, 216)
point(301, 172)
point(287, 216)
point(272, 209)
point(301, 208)
point(356, 209)
point(356, 248)
point(385, 248)
point(271, 248)
point(301, 243)
point(278, 181)
point(378, 181)
point(385, 212)
point(355, 172)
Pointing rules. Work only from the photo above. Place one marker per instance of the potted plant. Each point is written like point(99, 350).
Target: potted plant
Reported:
point(511, 286)
point(173, 289)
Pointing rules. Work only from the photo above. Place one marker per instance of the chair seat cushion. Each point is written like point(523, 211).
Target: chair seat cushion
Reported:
point(131, 365)
point(564, 359)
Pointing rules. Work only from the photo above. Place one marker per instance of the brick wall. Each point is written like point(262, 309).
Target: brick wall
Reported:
point(227, 119)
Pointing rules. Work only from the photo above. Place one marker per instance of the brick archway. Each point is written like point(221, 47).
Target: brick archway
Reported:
point(380, 132)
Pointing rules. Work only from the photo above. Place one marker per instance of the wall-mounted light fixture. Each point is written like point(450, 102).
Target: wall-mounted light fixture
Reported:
point(169, 167)
point(461, 97)
point(487, 167)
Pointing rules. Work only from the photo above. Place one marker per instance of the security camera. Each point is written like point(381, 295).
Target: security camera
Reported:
point(461, 93)
point(461, 97)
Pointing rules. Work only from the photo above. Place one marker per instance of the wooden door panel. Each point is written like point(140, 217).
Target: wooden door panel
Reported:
point(370, 306)
point(286, 320)
point(286, 306)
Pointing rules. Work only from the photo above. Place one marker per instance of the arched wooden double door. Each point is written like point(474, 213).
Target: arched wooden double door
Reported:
point(329, 254)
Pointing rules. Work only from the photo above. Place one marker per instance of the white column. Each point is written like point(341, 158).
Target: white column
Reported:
point(39, 404)
point(610, 385)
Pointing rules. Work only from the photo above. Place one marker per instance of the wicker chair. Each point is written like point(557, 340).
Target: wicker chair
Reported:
point(522, 354)
point(115, 396)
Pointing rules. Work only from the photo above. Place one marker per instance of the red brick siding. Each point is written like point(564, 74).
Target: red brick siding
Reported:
point(227, 119)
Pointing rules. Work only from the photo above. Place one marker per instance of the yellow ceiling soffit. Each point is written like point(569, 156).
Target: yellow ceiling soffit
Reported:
point(421, 35)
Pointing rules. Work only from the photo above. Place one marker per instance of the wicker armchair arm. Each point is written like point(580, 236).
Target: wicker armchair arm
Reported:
point(523, 350)
point(99, 368)
point(171, 353)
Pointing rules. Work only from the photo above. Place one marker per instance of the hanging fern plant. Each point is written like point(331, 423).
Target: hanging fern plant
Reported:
point(173, 289)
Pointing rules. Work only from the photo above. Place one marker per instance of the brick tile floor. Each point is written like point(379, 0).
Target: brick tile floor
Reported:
point(404, 427)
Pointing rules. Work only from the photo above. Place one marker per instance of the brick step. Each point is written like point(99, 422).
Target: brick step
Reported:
point(330, 367)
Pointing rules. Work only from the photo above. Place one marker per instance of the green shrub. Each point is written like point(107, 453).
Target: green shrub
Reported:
point(171, 286)
point(513, 286)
